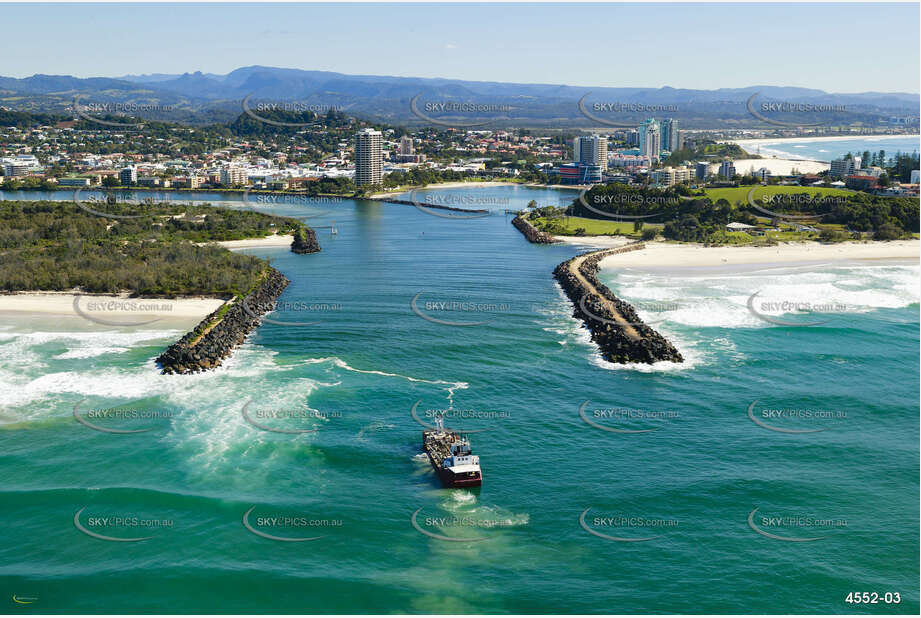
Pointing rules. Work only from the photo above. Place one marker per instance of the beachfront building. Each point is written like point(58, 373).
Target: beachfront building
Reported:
point(20, 165)
point(702, 170)
point(873, 170)
point(727, 169)
point(128, 176)
point(752, 230)
point(669, 176)
point(628, 160)
point(650, 139)
point(74, 181)
point(152, 181)
point(624, 179)
point(841, 168)
point(406, 146)
point(591, 150)
point(578, 174)
point(591, 174)
point(233, 176)
point(735, 226)
point(13, 170)
point(368, 163)
point(669, 133)
point(861, 183)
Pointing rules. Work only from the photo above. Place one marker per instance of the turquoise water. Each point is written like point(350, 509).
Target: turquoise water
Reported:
point(522, 377)
point(826, 150)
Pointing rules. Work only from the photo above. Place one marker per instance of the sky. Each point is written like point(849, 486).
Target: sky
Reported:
point(832, 47)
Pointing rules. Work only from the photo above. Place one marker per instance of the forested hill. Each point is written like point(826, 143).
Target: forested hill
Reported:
point(59, 246)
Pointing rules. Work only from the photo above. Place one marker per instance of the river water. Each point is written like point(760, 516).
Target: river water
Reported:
point(706, 497)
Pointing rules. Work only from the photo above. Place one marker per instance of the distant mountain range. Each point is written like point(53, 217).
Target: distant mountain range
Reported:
point(204, 97)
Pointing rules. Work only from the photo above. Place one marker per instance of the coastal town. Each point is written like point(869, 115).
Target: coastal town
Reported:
point(460, 309)
point(347, 156)
point(654, 180)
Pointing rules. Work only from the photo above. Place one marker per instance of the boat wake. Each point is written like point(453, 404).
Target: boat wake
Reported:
point(463, 503)
point(373, 428)
point(338, 362)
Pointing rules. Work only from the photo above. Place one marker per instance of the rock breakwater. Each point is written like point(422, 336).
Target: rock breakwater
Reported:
point(426, 205)
point(305, 241)
point(530, 232)
point(215, 337)
point(615, 327)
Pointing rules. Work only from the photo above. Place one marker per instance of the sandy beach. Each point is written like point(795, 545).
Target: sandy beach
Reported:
point(122, 309)
point(597, 242)
point(783, 165)
point(118, 308)
point(837, 138)
point(673, 254)
point(777, 166)
point(248, 243)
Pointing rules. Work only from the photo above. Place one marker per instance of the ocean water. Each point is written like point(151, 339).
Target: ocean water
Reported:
point(704, 457)
point(826, 150)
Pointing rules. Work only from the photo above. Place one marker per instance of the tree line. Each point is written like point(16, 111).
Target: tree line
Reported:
point(695, 218)
point(59, 246)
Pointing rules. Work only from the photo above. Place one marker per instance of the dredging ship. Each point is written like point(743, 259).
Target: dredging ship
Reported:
point(451, 457)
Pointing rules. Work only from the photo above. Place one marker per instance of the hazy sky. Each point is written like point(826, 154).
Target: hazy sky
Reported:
point(834, 47)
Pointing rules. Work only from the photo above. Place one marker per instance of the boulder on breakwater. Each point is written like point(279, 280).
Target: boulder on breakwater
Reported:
point(530, 232)
point(217, 335)
point(305, 241)
point(624, 337)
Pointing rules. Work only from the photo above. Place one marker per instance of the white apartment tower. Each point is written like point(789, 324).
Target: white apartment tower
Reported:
point(233, 176)
point(368, 163)
point(841, 168)
point(406, 145)
point(650, 139)
point(591, 150)
point(727, 169)
point(128, 175)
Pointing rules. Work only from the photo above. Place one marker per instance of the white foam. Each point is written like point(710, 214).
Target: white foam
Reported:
point(338, 362)
point(18, 350)
point(720, 299)
point(464, 497)
point(464, 503)
point(692, 358)
point(563, 323)
point(206, 419)
point(372, 428)
point(90, 352)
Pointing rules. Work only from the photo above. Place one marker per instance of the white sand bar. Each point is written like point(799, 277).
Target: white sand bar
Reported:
point(745, 143)
point(777, 167)
point(106, 307)
point(689, 254)
point(250, 243)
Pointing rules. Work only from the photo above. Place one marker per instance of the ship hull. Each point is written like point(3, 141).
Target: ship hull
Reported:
point(460, 483)
point(449, 480)
point(436, 447)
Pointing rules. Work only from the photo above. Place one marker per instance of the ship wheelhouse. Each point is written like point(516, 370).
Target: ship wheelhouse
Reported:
point(452, 458)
